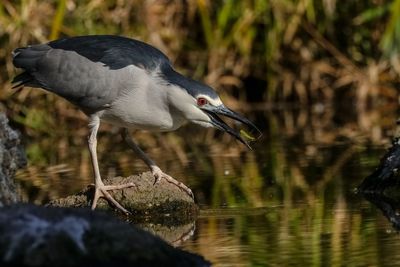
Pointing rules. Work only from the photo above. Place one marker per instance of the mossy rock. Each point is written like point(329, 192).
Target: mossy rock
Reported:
point(163, 202)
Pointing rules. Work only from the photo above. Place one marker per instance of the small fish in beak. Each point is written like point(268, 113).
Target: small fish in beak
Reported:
point(217, 122)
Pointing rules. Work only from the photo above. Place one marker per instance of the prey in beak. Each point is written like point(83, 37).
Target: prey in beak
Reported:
point(217, 122)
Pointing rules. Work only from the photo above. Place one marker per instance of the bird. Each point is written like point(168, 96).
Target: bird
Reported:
point(127, 83)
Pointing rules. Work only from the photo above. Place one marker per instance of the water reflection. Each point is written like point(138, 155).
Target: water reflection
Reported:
point(290, 201)
point(323, 235)
point(389, 207)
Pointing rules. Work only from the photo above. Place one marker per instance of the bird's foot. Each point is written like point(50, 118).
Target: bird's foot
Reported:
point(102, 191)
point(158, 174)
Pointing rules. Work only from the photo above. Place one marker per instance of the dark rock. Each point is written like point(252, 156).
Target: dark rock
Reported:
point(39, 236)
point(386, 173)
point(12, 157)
point(163, 201)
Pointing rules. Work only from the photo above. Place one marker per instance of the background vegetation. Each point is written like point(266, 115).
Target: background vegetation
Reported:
point(319, 55)
point(304, 51)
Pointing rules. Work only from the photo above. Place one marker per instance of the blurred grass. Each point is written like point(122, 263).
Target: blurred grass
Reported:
point(329, 58)
point(250, 51)
point(58, 19)
point(229, 42)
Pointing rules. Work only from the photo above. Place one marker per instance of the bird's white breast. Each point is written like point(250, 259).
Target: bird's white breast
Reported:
point(143, 104)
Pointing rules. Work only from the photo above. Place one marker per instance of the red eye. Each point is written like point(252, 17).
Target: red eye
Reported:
point(201, 101)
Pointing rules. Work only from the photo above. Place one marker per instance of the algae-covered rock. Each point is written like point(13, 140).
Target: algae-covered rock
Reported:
point(161, 201)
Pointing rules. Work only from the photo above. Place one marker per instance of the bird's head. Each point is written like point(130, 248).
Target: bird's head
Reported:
point(201, 105)
point(211, 106)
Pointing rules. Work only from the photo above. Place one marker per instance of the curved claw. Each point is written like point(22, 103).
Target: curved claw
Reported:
point(102, 191)
point(158, 174)
point(157, 178)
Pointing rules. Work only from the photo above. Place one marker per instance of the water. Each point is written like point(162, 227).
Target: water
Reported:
point(289, 202)
point(303, 235)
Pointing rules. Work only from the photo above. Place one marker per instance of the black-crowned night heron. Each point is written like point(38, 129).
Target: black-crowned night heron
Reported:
point(127, 83)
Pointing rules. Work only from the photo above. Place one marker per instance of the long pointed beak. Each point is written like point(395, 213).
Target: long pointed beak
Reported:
point(221, 125)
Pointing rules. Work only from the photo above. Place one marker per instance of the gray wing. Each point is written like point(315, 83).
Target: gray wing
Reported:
point(89, 71)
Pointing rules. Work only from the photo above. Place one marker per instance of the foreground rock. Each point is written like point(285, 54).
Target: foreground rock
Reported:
point(162, 201)
point(39, 236)
point(12, 157)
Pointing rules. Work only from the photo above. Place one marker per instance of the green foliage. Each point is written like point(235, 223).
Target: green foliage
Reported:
point(58, 19)
point(230, 40)
point(390, 42)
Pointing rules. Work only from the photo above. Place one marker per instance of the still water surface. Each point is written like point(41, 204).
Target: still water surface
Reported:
point(289, 202)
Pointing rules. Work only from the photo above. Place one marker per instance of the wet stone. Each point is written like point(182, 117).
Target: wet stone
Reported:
point(162, 202)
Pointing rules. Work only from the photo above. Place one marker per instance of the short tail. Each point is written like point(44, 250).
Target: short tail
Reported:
point(26, 58)
point(21, 80)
